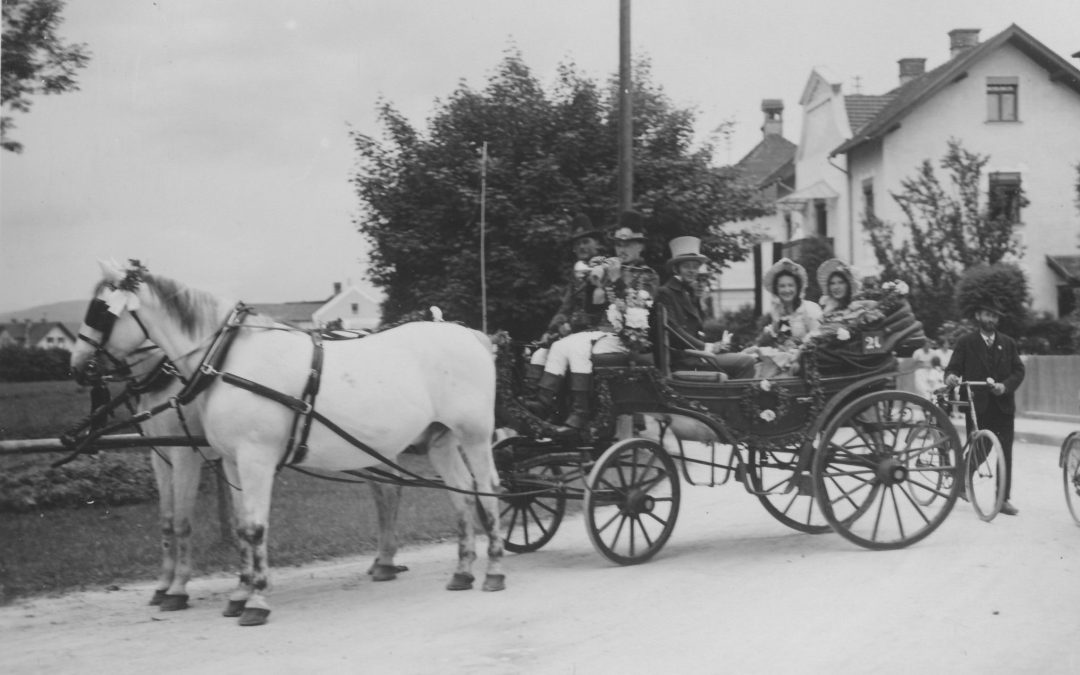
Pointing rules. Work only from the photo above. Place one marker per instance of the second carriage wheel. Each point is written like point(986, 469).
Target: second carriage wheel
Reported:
point(985, 479)
point(1070, 468)
point(868, 478)
point(632, 501)
point(532, 505)
point(770, 473)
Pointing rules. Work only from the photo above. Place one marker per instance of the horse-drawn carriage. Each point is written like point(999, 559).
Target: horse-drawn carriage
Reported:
point(835, 448)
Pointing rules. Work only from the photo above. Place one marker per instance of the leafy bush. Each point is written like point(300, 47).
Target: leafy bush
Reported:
point(743, 325)
point(1048, 335)
point(108, 478)
point(18, 364)
point(1002, 286)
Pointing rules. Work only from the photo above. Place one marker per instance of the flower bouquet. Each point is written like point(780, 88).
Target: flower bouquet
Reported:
point(629, 315)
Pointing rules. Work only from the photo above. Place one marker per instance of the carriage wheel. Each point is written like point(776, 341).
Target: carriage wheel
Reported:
point(770, 472)
point(869, 481)
point(1070, 467)
point(531, 508)
point(632, 501)
point(986, 475)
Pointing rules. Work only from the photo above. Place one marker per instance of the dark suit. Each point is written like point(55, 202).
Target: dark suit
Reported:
point(973, 360)
point(686, 330)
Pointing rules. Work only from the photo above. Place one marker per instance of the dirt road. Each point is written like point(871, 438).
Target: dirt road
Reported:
point(733, 591)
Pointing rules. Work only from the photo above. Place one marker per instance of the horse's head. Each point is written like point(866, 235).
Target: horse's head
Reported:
point(111, 330)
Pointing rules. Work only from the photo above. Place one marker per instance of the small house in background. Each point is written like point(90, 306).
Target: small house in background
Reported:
point(770, 168)
point(349, 307)
point(38, 335)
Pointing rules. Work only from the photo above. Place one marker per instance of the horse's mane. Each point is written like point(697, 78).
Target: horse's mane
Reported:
point(193, 308)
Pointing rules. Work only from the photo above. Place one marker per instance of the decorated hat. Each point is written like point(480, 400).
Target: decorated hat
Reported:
point(836, 266)
point(685, 249)
point(629, 227)
point(785, 266)
point(581, 227)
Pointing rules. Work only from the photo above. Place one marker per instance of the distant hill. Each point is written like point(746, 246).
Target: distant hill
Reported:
point(68, 311)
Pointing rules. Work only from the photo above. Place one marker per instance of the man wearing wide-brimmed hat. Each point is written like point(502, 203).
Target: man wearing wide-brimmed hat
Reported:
point(684, 321)
point(583, 301)
point(988, 355)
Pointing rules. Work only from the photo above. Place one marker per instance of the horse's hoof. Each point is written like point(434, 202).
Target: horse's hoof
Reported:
point(171, 603)
point(495, 582)
point(254, 616)
point(234, 608)
point(159, 597)
point(461, 581)
point(386, 572)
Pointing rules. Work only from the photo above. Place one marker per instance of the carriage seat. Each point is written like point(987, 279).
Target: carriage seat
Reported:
point(621, 360)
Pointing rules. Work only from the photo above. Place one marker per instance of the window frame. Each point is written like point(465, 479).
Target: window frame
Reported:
point(999, 90)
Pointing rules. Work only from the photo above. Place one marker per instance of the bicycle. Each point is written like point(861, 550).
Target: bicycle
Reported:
point(982, 457)
point(1069, 461)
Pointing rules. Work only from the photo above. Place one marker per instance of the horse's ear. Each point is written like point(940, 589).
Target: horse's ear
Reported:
point(112, 270)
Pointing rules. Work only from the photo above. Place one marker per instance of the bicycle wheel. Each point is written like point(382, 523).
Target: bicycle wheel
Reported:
point(936, 472)
point(985, 474)
point(1070, 471)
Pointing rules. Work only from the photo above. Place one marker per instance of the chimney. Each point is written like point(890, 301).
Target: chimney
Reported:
point(962, 39)
point(911, 69)
point(774, 117)
point(337, 287)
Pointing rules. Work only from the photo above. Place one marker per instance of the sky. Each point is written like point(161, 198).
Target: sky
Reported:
point(210, 139)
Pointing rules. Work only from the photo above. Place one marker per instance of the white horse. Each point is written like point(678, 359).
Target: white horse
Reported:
point(422, 384)
point(178, 470)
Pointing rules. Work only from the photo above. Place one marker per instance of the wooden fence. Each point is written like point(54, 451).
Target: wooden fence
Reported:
point(1051, 387)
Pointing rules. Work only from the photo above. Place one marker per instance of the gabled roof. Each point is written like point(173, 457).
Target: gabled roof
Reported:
point(861, 108)
point(767, 156)
point(1067, 267)
point(910, 95)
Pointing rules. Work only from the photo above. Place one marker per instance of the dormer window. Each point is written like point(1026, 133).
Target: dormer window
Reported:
point(1001, 99)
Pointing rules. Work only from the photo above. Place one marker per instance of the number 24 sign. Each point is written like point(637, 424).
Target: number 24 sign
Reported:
point(873, 342)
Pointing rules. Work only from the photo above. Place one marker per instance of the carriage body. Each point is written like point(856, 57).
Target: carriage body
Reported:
point(822, 451)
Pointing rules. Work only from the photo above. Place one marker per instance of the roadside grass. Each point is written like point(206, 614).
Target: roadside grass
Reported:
point(52, 551)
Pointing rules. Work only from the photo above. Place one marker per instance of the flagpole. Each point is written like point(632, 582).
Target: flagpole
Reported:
point(483, 236)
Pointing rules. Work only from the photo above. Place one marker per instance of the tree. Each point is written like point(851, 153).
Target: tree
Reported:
point(550, 155)
point(946, 232)
point(34, 60)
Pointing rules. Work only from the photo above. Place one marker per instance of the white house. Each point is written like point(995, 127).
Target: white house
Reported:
point(38, 335)
point(348, 307)
point(1010, 98)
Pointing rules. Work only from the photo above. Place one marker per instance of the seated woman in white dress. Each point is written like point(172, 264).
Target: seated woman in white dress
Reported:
point(790, 322)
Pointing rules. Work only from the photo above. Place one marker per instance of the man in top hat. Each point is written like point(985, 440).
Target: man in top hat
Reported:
point(988, 355)
point(685, 322)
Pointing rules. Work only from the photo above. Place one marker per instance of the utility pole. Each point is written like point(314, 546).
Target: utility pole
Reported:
point(626, 110)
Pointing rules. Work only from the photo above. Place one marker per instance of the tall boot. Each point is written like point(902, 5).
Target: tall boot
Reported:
point(580, 410)
point(533, 373)
point(546, 392)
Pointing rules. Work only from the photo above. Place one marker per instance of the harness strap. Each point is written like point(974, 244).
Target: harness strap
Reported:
point(295, 452)
point(305, 408)
point(215, 355)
